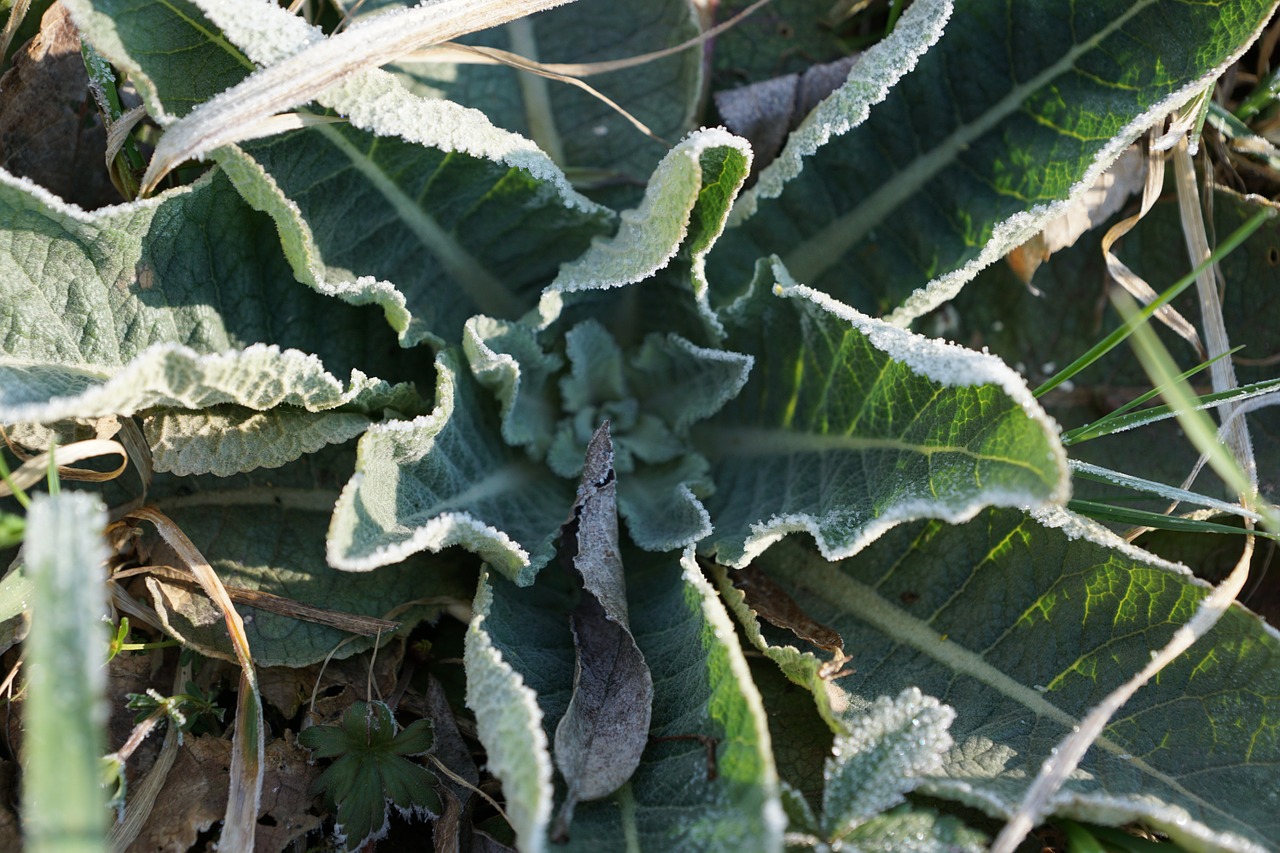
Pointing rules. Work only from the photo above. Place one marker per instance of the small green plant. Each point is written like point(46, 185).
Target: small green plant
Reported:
point(372, 771)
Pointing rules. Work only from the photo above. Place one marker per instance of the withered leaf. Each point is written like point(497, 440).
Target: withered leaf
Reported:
point(604, 731)
point(49, 129)
point(774, 605)
point(766, 112)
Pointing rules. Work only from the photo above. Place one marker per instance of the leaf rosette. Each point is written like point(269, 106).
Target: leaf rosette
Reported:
point(651, 394)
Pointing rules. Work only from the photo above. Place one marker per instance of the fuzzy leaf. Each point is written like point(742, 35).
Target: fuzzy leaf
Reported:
point(686, 202)
point(264, 531)
point(227, 440)
point(849, 426)
point(507, 359)
point(605, 728)
point(580, 131)
point(701, 687)
point(64, 713)
point(651, 396)
point(447, 479)
point(882, 756)
point(915, 831)
point(509, 721)
point(457, 216)
point(371, 772)
point(1022, 624)
point(116, 313)
point(964, 159)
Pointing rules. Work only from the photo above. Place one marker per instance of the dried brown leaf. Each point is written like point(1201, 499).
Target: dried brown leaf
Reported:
point(774, 605)
point(766, 112)
point(605, 729)
point(195, 797)
point(49, 129)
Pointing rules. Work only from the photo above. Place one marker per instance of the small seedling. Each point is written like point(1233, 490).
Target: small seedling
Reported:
point(372, 771)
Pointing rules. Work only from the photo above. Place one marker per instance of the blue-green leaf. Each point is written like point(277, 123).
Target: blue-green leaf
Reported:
point(448, 479)
point(849, 426)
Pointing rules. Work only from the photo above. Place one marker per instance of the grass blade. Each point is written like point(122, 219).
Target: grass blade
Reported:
point(1158, 521)
point(1173, 493)
point(1116, 422)
point(1112, 340)
point(64, 803)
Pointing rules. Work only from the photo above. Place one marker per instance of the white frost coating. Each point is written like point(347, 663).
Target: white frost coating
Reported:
point(509, 724)
point(443, 531)
point(868, 83)
point(340, 67)
point(725, 629)
point(1075, 526)
point(265, 31)
point(95, 217)
point(947, 363)
point(1020, 227)
point(650, 235)
point(765, 534)
point(260, 377)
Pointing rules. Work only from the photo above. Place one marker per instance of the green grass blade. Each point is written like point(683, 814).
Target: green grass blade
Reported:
point(1197, 425)
point(1115, 422)
point(11, 529)
point(1116, 478)
point(1144, 518)
point(6, 477)
point(1140, 317)
point(1090, 430)
point(64, 803)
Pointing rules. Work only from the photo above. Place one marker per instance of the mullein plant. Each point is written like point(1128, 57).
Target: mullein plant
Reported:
point(371, 350)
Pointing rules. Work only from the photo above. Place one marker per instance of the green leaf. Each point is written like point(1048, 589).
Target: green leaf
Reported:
point(894, 209)
point(702, 687)
point(1022, 624)
point(447, 479)
point(371, 772)
point(578, 130)
point(170, 51)
point(173, 304)
point(227, 440)
point(64, 804)
point(651, 397)
point(849, 426)
point(686, 203)
point(265, 531)
point(507, 359)
point(910, 830)
point(509, 719)
point(457, 216)
point(884, 753)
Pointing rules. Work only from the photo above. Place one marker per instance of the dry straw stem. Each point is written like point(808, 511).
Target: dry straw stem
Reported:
point(248, 746)
point(36, 468)
point(1221, 372)
point(352, 623)
point(236, 114)
point(1125, 277)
